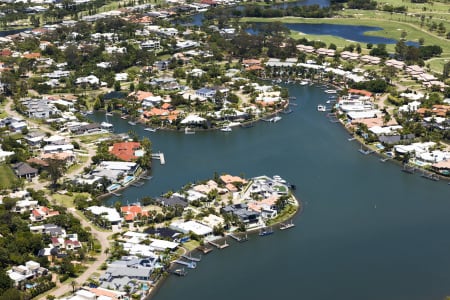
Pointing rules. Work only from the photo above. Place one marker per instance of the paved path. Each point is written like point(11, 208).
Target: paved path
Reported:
point(102, 237)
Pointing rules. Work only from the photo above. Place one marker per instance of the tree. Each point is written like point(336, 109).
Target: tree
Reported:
point(56, 169)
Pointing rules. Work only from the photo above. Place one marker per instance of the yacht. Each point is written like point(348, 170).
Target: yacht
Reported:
point(107, 126)
point(304, 82)
point(110, 114)
point(321, 107)
point(226, 129)
point(275, 119)
point(330, 91)
point(150, 129)
point(188, 130)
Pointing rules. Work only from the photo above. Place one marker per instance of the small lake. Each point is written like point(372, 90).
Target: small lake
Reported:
point(348, 32)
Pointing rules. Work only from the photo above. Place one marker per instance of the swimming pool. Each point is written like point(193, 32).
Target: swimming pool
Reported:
point(127, 179)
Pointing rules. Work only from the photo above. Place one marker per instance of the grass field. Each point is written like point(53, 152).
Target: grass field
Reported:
point(8, 179)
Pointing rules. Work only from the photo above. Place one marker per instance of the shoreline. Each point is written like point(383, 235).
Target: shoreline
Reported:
point(299, 210)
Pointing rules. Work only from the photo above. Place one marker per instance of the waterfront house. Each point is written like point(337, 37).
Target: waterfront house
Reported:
point(172, 201)
point(241, 210)
point(191, 226)
point(133, 212)
point(127, 151)
point(442, 167)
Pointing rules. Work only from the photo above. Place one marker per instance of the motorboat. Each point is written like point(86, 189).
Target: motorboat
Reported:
point(188, 130)
point(226, 129)
point(150, 129)
point(275, 119)
point(321, 107)
point(330, 91)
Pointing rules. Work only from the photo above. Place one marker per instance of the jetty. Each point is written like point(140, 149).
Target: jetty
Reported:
point(189, 264)
point(429, 175)
point(266, 231)
point(238, 238)
point(204, 249)
point(219, 246)
point(285, 226)
point(385, 159)
point(365, 151)
point(408, 169)
point(191, 258)
point(159, 156)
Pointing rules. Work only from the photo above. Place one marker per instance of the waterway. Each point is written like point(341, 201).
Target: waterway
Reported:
point(368, 230)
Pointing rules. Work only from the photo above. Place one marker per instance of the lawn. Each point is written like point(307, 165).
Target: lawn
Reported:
point(67, 200)
point(8, 179)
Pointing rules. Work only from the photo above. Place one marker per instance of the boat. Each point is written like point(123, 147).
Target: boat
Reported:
point(226, 129)
point(188, 130)
point(89, 112)
point(110, 114)
point(265, 231)
point(279, 179)
point(150, 129)
point(123, 117)
point(321, 107)
point(132, 123)
point(275, 119)
point(330, 91)
point(107, 126)
point(287, 225)
point(304, 82)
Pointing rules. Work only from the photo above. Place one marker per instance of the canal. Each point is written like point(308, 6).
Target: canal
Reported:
point(367, 231)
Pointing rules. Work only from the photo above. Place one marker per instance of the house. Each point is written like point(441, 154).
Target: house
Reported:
point(395, 63)
point(173, 201)
point(40, 108)
point(442, 167)
point(326, 52)
point(108, 213)
point(349, 55)
point(23, 206)
point(132, 212)
point(50, 229)
point(41, 213)
point(5, 154)
point(34, 138)
point(24, 170)
point(374, 60)
point(305, 48)
point(127, 151)
point(191, 226)
point(207, 93)
point(245, 215)
point(30, 270)
point(86, 128)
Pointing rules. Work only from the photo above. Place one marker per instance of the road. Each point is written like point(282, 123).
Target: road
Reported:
point(102, 237)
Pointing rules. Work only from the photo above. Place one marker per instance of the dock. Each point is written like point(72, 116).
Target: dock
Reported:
point(430, 176)
point(190, 265)
point(365, 152)
point(191, 258)
point(239, 239)
point(204, 249)
point(137, 184)
point(159, 156)
point(408, 169)
point(284, 226)
point(385, 159)
point(219, 246)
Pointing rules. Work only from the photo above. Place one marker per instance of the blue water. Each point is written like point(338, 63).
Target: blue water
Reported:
point(368, 231)
point(349, 32)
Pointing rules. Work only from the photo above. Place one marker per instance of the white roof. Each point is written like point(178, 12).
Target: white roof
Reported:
point(191, 226)
point(161, 245)
point(111, 213)
point(384, 130)
point(193, 119)
point(54, 138)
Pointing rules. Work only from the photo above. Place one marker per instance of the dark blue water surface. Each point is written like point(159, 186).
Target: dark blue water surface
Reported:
point(368, 231)
point(349, 32)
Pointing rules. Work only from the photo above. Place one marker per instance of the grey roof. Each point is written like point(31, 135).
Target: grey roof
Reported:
point(120, 271)
point(23, 168)
point(118, 284)
point(53, 229)
point(172, 201)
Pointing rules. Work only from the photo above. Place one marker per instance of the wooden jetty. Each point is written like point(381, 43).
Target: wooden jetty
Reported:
point(204, 249)
point(159, 156)
point(408, 169)
point(219, 246)
point(191, 258)
point(189, 264)
point(238, 238)
point(285, 226)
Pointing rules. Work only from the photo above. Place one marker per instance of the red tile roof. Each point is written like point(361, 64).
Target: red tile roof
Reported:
point(125, 151)
point(360, 92)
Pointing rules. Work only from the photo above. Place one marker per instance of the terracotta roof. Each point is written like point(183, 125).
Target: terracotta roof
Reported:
point(125, 150)
point(32, 55)
point(231, 179)
point(141, 95)
point(360, 92)
point(132, 211)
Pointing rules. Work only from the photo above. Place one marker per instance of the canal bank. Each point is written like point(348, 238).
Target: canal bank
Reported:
point(367, 229)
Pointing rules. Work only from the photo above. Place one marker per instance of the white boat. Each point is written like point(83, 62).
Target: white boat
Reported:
point(89, 112)
point(304, 82)
point(107, 126)
point(330, 91)
point(275, 119)
point(226, 129)
point(132, 123)
point(188, 130)
point(279, 179)
point(321, 107)
point(109, 114)
point(150, 129)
